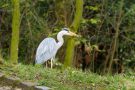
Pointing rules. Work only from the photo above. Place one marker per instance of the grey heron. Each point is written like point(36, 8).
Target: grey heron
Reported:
point(48, 48)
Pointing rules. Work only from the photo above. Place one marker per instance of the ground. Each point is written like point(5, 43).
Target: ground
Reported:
point(8, 88)
point(70, 78)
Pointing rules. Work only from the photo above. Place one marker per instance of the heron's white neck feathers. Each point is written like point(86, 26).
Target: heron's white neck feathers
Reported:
point(60, 39)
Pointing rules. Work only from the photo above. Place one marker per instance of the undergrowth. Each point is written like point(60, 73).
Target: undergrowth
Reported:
point(70, 79)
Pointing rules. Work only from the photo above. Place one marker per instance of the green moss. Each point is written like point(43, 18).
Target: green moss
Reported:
point(69, 53)
point(78, 15)
point(15, 31)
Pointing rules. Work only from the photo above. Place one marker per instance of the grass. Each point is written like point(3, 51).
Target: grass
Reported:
point(70, 79)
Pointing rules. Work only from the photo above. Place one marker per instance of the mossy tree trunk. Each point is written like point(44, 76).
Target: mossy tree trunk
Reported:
point(74, 27)
point(15, 32)
point(1, 58)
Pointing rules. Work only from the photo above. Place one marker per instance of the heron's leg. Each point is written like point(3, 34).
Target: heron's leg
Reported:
point(46, 64)
point(51, 63)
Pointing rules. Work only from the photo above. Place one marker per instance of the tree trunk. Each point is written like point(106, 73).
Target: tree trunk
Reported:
point(74, 27)
point(1, 58)
point(15, 32)
point(115, 41)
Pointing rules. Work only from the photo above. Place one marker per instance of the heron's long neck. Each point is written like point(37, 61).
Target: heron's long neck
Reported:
point(60, 39)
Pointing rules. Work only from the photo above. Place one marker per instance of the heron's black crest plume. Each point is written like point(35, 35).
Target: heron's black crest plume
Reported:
point(66, 29)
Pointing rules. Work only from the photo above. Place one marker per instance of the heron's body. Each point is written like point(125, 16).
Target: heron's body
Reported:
point(48, 48)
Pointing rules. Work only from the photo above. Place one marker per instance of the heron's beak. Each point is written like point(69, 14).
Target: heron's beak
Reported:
point(73, 34)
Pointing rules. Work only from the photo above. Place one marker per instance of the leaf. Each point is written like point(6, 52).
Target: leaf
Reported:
point(94, 8)
point(5, 5)
point(93, 21)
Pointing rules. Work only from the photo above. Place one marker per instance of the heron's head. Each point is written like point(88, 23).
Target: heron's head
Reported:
point(66, 31)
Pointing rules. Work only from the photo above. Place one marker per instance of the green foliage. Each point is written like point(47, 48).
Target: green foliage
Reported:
point(99, 26)
point(94, 8)
point(43, 18)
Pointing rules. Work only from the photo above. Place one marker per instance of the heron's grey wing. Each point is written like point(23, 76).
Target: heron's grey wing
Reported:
point(46, 50)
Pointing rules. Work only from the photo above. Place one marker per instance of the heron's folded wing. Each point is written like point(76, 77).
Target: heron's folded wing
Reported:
point(48, 47)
